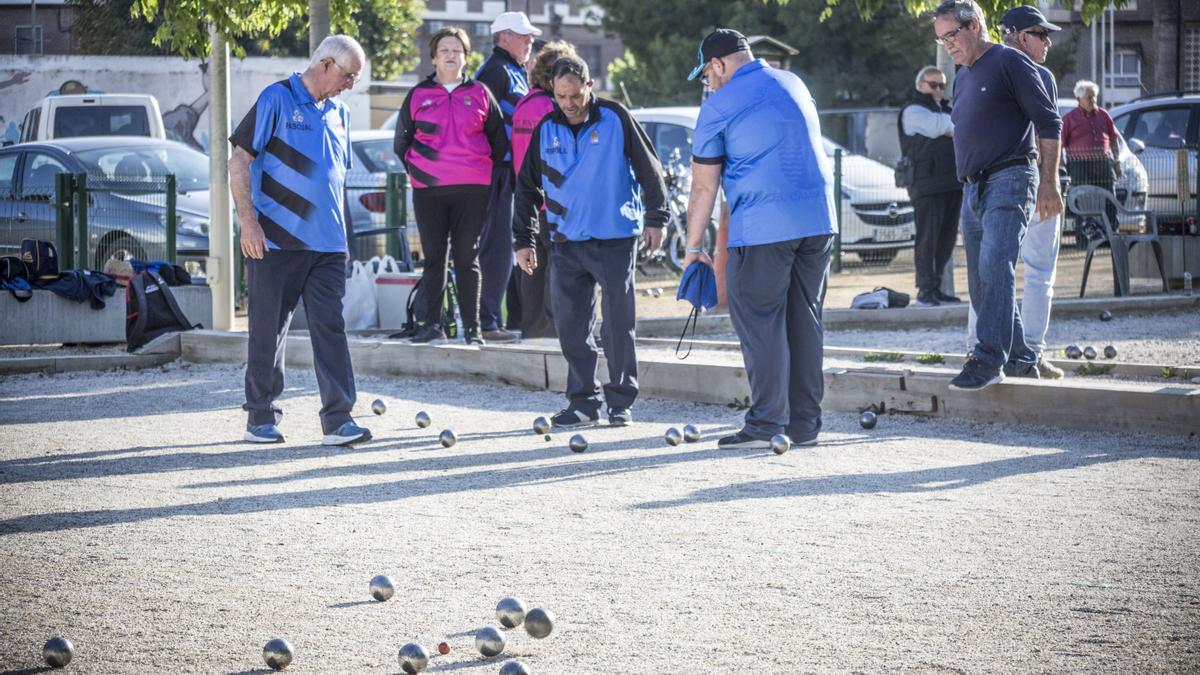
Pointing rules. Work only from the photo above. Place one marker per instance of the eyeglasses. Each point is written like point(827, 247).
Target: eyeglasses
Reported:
point(934, 85)
point(351, 77)
point(1039, 34)
point(952, 35)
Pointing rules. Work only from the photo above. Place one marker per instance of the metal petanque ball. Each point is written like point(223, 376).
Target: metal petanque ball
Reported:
point(382, 587)
point(423, 419)
point(510, 612)
point(1073, 352)
point(541, 425)
point(1106, 315)
point(58, 652)
point(489, 641)
point(780, 444)
point(378, 406)
point(539, 623)
point(513, 667)
point(1089, 352)
point(1110, 352)
point(690, 433)
point(447, 438)
point(673, 437)
point(413, 658)
point(278, 654)
point(867, 420)
point(578, 444)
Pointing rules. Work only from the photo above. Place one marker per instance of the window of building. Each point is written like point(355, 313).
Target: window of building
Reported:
point(483, 30)
point(591, 55)
point(1191, 59)
point(1127, 68)
point(432, 27)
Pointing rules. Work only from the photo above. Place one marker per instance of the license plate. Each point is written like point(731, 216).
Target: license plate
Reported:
point(891, 234)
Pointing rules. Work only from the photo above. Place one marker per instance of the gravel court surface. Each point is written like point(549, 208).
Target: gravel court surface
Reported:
point(134, 521)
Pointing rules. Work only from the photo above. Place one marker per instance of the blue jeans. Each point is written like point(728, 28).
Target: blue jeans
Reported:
point(995, 214)
point(1039, 252)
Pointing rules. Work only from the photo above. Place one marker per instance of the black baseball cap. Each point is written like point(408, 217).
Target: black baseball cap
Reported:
point(1025, 17)
point(721, 42)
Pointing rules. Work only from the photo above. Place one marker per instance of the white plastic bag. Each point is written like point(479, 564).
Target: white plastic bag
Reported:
point(360, 308)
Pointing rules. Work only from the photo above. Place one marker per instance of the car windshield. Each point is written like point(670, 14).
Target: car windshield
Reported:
point(377, 155)
point(148, 164)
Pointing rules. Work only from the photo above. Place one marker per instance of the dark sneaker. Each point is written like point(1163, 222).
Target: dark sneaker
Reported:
point(428, 333)
point(499, 335)
point(471, 335)
point(946, 299)
point(619, 417)
point(347, 434)
point(1025, 370)
point(976, 376)
point(742, 440)
point(926, 299)
point(572, 417)
point(262, 433)
point(1048, 370)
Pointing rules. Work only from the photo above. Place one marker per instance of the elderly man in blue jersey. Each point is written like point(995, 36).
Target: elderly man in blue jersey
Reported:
point(287, 173)
point(1006, 130)
point(593, 167)
point(504, 75)
point(759, 134)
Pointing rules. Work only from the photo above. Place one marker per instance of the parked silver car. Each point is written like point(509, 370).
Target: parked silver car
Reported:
point(1164, 131)
point(877, 217)
point(366, 198)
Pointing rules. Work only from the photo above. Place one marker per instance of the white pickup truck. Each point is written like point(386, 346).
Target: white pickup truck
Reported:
point(67, 116)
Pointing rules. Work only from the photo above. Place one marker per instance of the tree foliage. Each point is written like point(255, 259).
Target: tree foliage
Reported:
point(851, 52)
point(386, 28)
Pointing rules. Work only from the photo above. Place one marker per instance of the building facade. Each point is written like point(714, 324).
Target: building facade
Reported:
point(1145, 47)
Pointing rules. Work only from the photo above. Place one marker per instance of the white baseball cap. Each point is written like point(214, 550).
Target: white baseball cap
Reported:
point(517, 22)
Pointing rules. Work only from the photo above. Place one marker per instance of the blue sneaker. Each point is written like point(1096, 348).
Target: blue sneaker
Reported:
point(263, 433)
point(347, 434)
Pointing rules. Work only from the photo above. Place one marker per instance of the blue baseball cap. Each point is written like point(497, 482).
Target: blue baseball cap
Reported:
point(1025, 17)
point(719, 43)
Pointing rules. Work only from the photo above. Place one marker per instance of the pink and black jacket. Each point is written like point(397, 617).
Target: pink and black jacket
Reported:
point(531, 109)
point(450, 138)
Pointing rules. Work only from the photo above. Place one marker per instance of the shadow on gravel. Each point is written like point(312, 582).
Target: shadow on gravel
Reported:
point(168, 395)
point(487, 477)
point(906, 482)
point(28, 671)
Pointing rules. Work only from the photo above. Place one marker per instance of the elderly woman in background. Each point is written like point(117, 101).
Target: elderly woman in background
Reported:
point(534, 287)
point(450, 133)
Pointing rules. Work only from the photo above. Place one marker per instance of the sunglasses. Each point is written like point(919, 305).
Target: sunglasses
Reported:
point(1039, 34)
point(934, 85)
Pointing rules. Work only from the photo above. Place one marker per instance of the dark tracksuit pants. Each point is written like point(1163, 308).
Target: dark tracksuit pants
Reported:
point(275, 284)
point(577, 267)
point(776, 292)
point(496, 247)
point(537, 316)
point(937, 232)
point(449, 221)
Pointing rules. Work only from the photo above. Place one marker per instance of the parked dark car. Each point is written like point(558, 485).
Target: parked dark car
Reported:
point(121, 217)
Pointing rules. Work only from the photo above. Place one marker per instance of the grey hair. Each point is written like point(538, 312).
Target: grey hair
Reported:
point(337, 47)
point(963, 11)
point(1083, 86)
point(926, 69)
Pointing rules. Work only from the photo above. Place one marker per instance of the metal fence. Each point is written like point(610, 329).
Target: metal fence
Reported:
point(876, 220)
point(91, 220)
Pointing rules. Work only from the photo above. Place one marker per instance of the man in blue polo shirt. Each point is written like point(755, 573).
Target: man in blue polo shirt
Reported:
point(759, 134)
point(287, 173)
point(1006, 129)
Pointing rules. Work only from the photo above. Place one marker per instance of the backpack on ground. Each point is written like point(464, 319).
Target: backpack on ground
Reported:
point(151, 310)
point(41, 257)
point(14, 277)
point(449, 313)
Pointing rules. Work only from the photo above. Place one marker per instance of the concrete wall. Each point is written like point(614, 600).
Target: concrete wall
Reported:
point(180, 86)
point(49, 319)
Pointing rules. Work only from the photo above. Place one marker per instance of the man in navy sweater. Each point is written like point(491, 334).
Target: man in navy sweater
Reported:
point(595, 170)
point(1006, 128)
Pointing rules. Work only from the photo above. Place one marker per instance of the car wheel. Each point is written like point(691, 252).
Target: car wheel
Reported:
point(118, 243)
point(880, 257)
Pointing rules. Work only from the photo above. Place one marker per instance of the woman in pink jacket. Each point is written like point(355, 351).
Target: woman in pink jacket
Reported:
point(534, 287)
point(450, 133)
